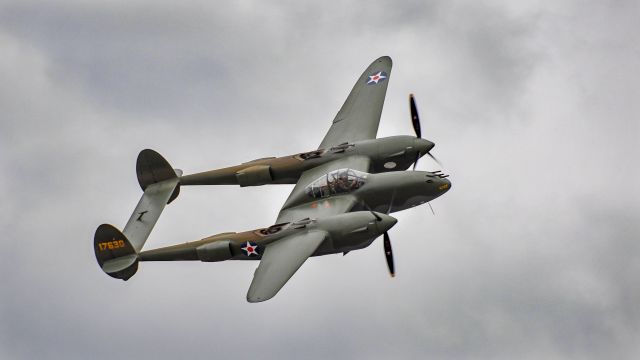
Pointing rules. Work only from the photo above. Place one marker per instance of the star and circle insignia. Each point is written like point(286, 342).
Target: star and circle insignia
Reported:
point(376, 77)
point(250, 248)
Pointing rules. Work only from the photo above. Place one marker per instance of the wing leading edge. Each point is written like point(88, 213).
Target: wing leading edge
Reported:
point(359, 117)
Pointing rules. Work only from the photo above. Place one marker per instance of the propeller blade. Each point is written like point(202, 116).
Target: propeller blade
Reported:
point(431, 207)
point(388, 253)
point(415, 119)
point(378, 218)
point(393, 197)
point(434, 159)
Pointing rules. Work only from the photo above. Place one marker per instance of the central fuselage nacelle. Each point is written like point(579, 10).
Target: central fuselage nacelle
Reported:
point(386, 192)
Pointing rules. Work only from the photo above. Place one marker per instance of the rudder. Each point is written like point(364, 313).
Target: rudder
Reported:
point(152, 168)
point(114, 253)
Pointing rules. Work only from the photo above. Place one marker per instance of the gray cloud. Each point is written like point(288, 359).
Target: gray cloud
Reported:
point(533, 254)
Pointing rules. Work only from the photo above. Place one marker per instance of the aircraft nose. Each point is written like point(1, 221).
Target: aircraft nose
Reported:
point(437, 183)
point(386, 222)
point(423, 145)
point(444, 185)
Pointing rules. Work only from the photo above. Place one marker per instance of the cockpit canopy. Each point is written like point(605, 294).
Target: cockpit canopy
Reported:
point(336, 182)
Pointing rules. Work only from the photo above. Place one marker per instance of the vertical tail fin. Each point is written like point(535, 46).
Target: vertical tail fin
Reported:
point(115, 254)
point(152, 168)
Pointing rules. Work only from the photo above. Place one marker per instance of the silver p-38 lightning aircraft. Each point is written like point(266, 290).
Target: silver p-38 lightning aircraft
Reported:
point(344, 193)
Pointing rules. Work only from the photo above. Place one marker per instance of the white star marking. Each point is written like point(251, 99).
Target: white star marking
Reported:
point(373, 79)
point(250, 249)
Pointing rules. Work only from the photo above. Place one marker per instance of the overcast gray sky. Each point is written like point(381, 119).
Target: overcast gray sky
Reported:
point(534, 253)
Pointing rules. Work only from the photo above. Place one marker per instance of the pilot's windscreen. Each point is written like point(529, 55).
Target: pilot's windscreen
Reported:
point(336, 182)
point(342, 181)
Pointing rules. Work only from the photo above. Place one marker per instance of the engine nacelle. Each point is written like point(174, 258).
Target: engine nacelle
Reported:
point(215, 251)
point(254, 175)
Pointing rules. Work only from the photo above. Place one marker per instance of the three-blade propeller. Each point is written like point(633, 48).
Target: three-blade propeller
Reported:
point(415, 121)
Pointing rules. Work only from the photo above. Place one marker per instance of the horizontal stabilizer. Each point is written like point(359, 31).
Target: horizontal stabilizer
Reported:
point(148, 211)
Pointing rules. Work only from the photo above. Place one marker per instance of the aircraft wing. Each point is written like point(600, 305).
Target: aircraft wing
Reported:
point(282, 258)
point(359, 116)
point(280, 261)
